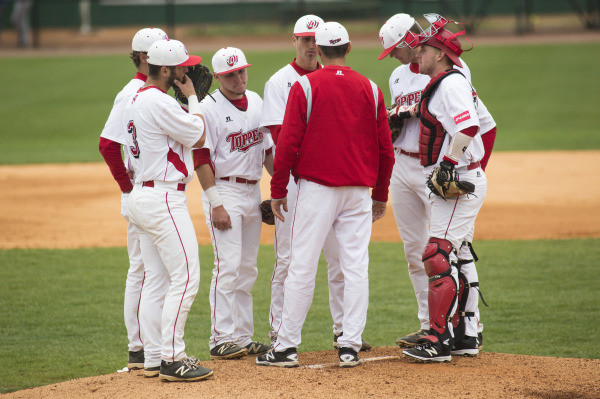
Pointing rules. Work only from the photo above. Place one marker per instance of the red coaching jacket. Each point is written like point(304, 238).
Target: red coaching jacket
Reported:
point(335, 133)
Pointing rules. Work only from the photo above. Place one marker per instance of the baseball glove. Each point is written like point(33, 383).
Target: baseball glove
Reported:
point(267, 212)
point(396, 125)
point(201, 78)
point(443, 181)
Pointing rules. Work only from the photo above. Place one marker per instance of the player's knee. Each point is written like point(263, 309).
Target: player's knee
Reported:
point(436, 257)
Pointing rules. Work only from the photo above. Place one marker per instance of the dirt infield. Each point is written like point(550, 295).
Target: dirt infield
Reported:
point(77, 205)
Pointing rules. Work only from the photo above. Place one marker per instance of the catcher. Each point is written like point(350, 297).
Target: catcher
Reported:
point(450, 148)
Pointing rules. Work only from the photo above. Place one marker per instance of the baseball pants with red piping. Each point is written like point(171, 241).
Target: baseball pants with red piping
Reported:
point(170, 253)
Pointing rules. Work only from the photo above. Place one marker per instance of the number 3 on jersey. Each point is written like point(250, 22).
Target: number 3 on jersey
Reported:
point(135, 149)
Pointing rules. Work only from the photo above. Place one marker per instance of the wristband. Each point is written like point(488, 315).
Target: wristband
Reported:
point(194, 105)
point(213, 197)
point(459, 145)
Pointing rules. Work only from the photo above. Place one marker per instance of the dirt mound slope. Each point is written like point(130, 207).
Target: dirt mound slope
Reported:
point(385, 373)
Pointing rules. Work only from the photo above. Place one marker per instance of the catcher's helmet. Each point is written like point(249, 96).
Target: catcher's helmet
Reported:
point(438, 36)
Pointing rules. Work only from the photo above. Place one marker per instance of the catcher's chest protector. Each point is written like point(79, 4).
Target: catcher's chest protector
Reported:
point(432, 133)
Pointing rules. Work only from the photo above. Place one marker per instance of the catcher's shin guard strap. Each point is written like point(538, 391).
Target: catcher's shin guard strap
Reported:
point(470, 245)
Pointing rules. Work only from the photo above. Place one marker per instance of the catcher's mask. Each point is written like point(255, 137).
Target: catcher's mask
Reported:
point(436, 35)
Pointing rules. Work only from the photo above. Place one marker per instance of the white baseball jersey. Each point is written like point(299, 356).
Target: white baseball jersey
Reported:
point(406, 87)
point(114, 129)
point(160, 137)
point(454, 103)
point(236, 141)
point(277, 91)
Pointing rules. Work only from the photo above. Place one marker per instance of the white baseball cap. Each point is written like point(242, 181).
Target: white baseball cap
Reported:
point(307, 25)
point(229, 59)
point(144, 38)
point(171, 53)
point(394, 31)
point(331, 34)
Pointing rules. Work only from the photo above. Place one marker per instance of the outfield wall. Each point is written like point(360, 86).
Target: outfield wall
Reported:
point(104, 13)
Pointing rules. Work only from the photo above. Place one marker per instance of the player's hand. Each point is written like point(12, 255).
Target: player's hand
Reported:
point(220, 218)
point(403, 111)
point(378, 210)
point(276, 207)
point(186, 87)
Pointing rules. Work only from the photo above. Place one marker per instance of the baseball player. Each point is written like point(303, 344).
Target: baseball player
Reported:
point(335, 160)
point(229, 168)
point(409, 196)
point(450, 137)
point(160, 137)
point(113, 137)
point(276, 93)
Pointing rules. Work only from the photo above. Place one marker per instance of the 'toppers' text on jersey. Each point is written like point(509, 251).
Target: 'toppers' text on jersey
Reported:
point(236, 141)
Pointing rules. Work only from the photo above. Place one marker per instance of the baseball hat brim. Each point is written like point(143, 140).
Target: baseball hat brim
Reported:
point(191, 61)
point(387, 51)
point(304, 34)
point(233, 70)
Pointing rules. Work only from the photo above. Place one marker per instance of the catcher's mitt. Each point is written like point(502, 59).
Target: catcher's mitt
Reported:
point(267, 212)
point(443, 181)
point(201, 78)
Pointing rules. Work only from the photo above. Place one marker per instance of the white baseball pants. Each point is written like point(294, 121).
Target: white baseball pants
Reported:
point(170, 253)
point(319, 209)
point(280, 270)
point(454, 219)
point(134, 282)
point(409, 196)
point(235, 268)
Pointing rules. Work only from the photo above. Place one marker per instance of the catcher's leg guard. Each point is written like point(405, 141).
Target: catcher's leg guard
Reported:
point(442, 286)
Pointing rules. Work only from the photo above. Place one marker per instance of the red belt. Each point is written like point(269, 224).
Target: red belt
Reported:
point(180, 186)
point(410, 154)
point(240, 180)
point(474, 165)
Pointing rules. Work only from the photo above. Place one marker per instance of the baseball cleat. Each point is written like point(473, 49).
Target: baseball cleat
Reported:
point(151, 372)
point(136, 360)
point(228, 350)
point(364, 348)
point(429, 351)
point(411, 339)
point(467, 347)
point(183, 370)
point(348, 357)
point(287, 358)
point(257, 348)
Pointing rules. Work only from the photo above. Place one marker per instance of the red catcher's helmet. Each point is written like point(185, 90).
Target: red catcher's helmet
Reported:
point(437, 36)
point(447, 42)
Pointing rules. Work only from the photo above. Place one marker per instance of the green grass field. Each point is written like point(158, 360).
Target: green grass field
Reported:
point(543, 97)
point(61, 310)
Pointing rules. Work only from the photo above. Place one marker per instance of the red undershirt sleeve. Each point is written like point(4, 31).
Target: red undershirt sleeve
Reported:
point(111, 152)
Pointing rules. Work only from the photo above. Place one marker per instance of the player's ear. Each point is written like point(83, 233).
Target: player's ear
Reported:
point(349, 47)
